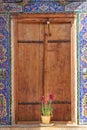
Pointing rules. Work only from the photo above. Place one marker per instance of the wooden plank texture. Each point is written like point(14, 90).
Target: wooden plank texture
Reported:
point(29, 60)
point(57, 69)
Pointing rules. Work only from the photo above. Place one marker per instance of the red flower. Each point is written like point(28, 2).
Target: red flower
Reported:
point(43, 99)
point(46, 105)
point(51, 96)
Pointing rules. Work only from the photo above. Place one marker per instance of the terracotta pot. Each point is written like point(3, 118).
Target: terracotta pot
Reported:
point(45, 119)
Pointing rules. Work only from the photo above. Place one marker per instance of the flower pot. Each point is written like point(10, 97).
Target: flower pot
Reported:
point(45, 119)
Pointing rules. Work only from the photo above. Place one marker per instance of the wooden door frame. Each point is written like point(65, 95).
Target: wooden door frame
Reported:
point(61, 17)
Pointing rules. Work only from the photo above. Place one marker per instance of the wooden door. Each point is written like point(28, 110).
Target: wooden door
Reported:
point(44, 64)
point(28, 70)
point(58, 69)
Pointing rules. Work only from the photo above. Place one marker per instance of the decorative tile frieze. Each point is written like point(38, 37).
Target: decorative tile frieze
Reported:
point(43, 7)
point(12, 1)
point(76, 7)
point(10, 7)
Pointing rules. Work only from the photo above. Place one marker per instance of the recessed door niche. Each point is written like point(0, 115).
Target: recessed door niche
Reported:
point(43, 64)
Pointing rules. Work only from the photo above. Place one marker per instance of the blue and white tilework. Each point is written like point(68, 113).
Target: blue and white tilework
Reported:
point(76, 7)
point(43, 7)
point(10, 7)
point(4, 70)
point(11, 1)
point(82, 68)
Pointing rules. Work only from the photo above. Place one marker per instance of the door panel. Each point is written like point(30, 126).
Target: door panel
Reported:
point(29, 113)
point(29, 59)
point(30, 72)
point(57, 68)
point(30, 31)
point(62, 112)
point(60, 31)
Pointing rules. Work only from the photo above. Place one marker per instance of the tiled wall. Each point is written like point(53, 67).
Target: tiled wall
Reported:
point(4, 70)
point(8, 7)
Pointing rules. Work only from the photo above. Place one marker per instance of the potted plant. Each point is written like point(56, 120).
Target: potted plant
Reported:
point(46, 109)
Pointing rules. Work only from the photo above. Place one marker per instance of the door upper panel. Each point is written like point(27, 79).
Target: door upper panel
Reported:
point(30, 32)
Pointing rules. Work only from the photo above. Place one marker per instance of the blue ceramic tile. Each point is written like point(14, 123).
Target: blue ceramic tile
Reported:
point(82, 44)
point(4, 71)
point(43, 7)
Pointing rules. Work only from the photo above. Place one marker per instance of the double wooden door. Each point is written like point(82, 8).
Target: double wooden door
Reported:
point(43, 65)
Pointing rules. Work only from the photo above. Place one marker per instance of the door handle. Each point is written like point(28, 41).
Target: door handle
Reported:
point(48, 24)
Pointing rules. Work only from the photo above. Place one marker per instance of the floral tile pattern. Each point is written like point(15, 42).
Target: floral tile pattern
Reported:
point(82, 60)
point(46, 7)
point(44, 0)
point(76, 7)
point(43, 7)
point(4, 70)
point(10, 7)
